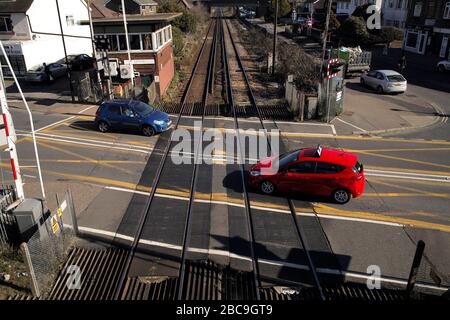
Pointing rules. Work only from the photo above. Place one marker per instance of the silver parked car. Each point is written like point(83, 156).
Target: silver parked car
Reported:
point(388, 81)
point(38, 74)
point(443, 65)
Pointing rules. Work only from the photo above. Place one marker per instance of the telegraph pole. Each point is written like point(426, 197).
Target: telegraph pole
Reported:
point(324, 44)
point(94, 51)
point(124, 14)
point(274, 53)
point(65, 52)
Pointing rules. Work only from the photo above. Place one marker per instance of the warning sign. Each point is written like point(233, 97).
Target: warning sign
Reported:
point(54, 223)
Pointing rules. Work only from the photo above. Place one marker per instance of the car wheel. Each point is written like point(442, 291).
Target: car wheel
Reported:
point(380, 89)
point(341, 196)
point(103, 126)
point(267, 187)
point(441, 68)
point(362, 82)
point(148, 131)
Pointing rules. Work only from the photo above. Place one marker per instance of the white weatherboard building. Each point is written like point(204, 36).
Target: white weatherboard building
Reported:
point(31, 33)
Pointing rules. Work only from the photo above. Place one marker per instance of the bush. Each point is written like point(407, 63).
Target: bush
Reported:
point(178, 41)
point(295, 61)
point(389, 34)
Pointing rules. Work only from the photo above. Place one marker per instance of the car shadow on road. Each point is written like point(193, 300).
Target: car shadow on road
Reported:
point(364, 89)
point(233, 181)
point(89, 125)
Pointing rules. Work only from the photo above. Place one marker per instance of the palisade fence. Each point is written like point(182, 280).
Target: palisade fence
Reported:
point(8, 225)
point(46, 250)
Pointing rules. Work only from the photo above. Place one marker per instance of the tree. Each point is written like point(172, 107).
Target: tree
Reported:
point(334, 23)
point(361, 12)
point(186, 23)
point(284, 8)
point(354, 31)
point(389, 34)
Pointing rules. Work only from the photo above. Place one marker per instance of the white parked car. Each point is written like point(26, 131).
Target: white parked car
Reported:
point(443, 65)
point(388, 81)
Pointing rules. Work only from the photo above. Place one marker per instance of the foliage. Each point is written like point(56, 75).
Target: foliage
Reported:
point(361, 12)
point(354, 31)
point(334, 23)
point(295, 61)
point(178, 41)
point(284, 8)
point(388, 34)
point(187, 22)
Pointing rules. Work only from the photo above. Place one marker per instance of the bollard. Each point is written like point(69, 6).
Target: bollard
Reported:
point(34, 285)
point(415, 267)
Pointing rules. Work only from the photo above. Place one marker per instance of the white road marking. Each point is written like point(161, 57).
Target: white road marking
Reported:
point(54, 124)
point(238, 205)
point(351, 125)
point(411, 177)
point(99, 145)
point(86, 109)
point(219, 252)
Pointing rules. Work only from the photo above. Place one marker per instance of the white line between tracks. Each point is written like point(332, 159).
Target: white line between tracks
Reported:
point(219, 252)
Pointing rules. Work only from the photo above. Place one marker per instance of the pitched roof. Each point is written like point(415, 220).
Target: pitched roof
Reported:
point(99, 10)
point(146, 2)
point(138, 18)
point(11, 6)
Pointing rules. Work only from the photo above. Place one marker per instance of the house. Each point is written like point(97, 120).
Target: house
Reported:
point(31, 34)
point(394, 13)
point(428, 28)
point(150, 41)
point(347, 7)
point(142, 7)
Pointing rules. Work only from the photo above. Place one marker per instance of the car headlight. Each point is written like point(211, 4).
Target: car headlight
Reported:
point(159, 122)
point(255, 173)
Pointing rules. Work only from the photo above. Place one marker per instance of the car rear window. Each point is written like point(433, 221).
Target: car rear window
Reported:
point(287, 158)
point(396, 78)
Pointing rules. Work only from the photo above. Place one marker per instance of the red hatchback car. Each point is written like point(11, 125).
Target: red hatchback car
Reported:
point(318, 171)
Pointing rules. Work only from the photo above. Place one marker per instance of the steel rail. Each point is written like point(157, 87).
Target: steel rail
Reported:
point(146, 211)
point(188, 224)
point(256, 273)
point(290, 202)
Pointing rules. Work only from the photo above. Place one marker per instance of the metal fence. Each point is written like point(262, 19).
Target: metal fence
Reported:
point(47, 249)
point(8, 224)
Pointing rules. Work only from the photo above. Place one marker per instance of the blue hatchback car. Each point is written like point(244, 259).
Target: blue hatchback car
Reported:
point(131, 115)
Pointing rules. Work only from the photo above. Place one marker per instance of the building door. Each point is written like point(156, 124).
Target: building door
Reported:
point(443, 47)
point(422, 42)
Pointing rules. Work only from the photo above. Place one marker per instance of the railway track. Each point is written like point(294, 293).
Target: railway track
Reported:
point(234, 61)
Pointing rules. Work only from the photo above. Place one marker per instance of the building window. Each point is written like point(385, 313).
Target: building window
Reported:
point(447, 11)
point(70, 20)
point(399, 4)
point(113, 44)
point(411, 39)
point(5, 24)
point(122, 42)
point(135, 42)
point(391, 3)
point(418, 9)
point(147, 41)
point(430, 9)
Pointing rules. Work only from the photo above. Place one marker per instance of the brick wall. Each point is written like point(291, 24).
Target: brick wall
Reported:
point(165, 68)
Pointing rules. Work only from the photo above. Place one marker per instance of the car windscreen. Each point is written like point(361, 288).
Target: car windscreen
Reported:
point(396, 78)
point(142, 108)
point(287, 158)
point(37, 69)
